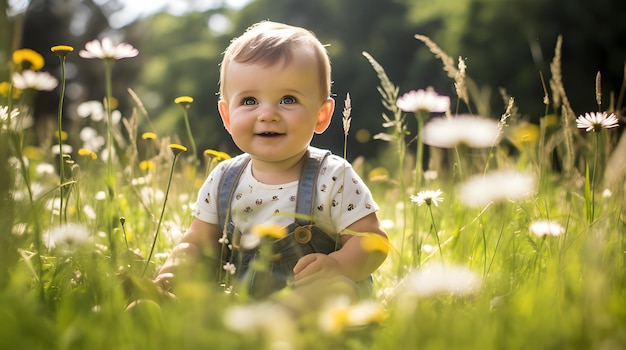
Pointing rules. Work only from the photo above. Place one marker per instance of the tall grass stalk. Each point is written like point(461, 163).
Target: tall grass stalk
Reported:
point(177, 149)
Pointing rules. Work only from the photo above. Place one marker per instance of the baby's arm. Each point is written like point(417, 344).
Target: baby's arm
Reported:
point(351, 260)
point(199, 240)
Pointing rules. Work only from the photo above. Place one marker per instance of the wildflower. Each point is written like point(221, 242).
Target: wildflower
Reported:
point(230, 268)
point(481, 190)
point(546, 228)
point(61, 50)
point(423, 100)
point(272, 231)
point(597, 121)
point(524, 134)
point(268, 319)
point(148, 136)
point(31, 57)
point(427, 197)
point(63, 135)
point(87, 153)
point(378, 174)
point(106, 49)
point(473, 131)
point(373, 242)
point(147, 165)
point(91, 140)
point(184, 101)
point(440, 279)
point(65, 148)
point(177, 149)
point(340, 313)
point(217, 154)
point(5, 87)
point(67, 238)
point(29, 79)
point(6, 116)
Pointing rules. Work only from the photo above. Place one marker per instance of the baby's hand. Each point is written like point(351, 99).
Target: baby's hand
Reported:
point(315, 266)
point(164, 282)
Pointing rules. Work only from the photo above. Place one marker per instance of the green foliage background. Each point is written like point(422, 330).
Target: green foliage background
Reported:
point(506, 44)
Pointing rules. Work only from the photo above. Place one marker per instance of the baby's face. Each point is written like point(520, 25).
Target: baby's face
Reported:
point(273, 111)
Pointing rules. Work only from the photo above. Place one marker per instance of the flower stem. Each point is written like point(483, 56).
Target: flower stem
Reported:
point(419, 153)
point(156, 234)
point(432, 218)
point(61, 160)
point(190, 136)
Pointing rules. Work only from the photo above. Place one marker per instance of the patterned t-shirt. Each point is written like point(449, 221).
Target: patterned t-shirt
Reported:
point(341, 199)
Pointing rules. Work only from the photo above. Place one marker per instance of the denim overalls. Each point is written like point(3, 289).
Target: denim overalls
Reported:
point(302, 236)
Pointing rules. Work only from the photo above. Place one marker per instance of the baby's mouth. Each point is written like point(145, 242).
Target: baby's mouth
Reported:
point(269, 134)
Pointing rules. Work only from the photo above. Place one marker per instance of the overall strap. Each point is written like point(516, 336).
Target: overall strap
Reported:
point(306, 186)
point(227, 186)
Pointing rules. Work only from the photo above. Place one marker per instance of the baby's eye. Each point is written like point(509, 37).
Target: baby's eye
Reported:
point(287, 100)
point(248, 101)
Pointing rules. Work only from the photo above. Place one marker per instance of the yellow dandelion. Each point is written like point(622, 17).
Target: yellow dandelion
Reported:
point(63, 135)
point(273, 231)
point(217, 154)
point(5, 87)
point(32, 58)
point(87, 153)
point(183, 100)
point(374, 242)
point(177, 149)
point(147, 165)
point(61, 50)
point(524, 134)
point(379, 174)
point(551, 120)
point(33, 153)
point(148, 136)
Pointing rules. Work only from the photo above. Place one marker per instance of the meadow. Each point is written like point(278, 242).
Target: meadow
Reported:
point(512, 236)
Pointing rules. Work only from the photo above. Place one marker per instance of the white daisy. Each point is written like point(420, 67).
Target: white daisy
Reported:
point(106, 49)
point(28, 79)
point(423, 100)
point(546, 228)
point(496, 186)
point(441, 279)
point(597, 121)
point(427, 197)
point(473, 131)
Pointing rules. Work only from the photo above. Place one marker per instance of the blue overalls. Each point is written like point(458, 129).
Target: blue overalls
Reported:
point(302, 237)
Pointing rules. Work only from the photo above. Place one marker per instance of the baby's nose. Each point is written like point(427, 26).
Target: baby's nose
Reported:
point(268, 112)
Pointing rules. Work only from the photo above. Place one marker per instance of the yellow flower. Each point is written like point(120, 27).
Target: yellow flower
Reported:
point(87, 153)
point(551, 120)
point(217, 154)
point(379, 174)
point(374, 242)
point(61, 50)
point(63, 135)
point(146, 165)
point(177, 149)
point(524, 134)
point(273, 231)
point(148, 136)
point(183, 100)
point(33, 58)
point(5, 87)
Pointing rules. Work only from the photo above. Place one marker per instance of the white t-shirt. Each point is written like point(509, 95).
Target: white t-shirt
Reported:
point(341, 199)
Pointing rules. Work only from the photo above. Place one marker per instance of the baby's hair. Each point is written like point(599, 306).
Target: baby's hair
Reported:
point(270, 43)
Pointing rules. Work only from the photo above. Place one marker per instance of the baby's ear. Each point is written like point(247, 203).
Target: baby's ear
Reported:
point(324, 115)
point(222, 107)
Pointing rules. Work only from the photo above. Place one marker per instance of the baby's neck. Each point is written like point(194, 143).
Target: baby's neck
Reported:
point(276, 173)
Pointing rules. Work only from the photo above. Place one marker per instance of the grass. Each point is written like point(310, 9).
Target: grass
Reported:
point(529, 291)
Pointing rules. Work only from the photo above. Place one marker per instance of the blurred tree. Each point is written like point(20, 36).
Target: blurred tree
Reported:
point(505, 43)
